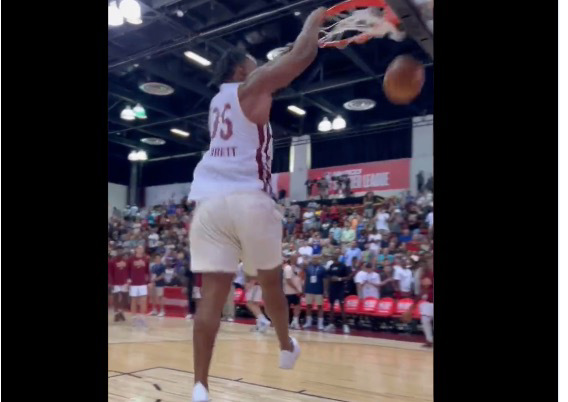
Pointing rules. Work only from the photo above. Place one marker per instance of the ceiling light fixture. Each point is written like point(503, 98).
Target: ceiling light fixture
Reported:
point(136, 21)
point(339, 123)
point(127, 114)
point(297, 13)
point(197, 58)
point(360, 104)
point(324, 125)
point(137, 156)
point(156, 88)
point(130, 10)
point(139, 111)
point(115, 18)
point(153, 141)
point(296, 110)
point(179, 132)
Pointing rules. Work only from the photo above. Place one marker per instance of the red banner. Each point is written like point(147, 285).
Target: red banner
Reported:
point(372, 176)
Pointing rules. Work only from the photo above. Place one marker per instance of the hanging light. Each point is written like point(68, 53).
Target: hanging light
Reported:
point(338, 123)
point(130, 9)
point(134, 22)
point(142, 156)
point(127, 114)
point(324, 125)
point(139, 111)
point(135, 156)
point(115, 18)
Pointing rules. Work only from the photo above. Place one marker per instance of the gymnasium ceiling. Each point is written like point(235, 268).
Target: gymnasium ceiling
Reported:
point(335, 77)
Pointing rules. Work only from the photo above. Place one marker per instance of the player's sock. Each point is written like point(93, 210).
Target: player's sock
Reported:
point(295, 321)
point(320, 322)
point(263, 319)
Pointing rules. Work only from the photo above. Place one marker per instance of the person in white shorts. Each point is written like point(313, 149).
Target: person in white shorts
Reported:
point(235, 217)
point(253, 296)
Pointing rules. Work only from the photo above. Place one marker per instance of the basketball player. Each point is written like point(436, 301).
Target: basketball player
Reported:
point(254, 298)
point(235, 215)
point(138, 278)
point(426, 308)
point(119, 278)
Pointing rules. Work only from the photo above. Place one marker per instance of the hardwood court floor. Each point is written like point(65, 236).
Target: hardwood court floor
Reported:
point(157, 364)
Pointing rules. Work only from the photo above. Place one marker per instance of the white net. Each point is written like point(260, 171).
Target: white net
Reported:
point(353, 26)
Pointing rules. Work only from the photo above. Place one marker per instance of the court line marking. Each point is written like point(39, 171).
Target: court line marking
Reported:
point(244, 382)
point(303, 341)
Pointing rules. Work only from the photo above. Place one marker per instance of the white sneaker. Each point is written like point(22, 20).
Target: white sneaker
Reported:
point(162, 314)
point(230, 319)
point(288, 359)
point(320, 325)
point(262, 326)
point(153, 312)
point(294, 325)
point(346, 329)
point(200, 393)
point(188, 317)
point(308, 324)
point(330, 328)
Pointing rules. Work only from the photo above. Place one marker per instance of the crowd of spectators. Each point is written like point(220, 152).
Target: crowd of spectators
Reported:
point(381, 242)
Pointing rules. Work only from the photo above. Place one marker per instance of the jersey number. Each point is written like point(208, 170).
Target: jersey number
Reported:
point(226, 129)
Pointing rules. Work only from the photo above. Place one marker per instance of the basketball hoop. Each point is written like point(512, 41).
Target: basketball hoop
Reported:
point(357, 21)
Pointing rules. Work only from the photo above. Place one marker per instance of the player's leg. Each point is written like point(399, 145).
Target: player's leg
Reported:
point(319, 303)
point(331, 326)
point(276, 304)
point(123, 302)
point(116, 302)
point(426, 318)
point(160, 300)
point(214, 290)
point(309, 303)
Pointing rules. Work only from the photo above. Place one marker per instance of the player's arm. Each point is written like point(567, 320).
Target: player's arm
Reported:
point(283, 70)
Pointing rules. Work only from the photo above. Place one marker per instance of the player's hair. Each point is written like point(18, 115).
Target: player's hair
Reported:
point(225, 67)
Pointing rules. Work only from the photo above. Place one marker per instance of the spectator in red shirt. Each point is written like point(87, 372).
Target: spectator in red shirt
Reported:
point(139, 277)
point(334, 213)
point(118, 268)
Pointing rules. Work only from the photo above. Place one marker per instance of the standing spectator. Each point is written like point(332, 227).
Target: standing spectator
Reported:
point(427, 307)
point(323, 187)
point(188, 290)
point(315, 242)
point(292, 289)
point(325, 229)
point(374, 240)
point(381, 220)
point(139, 276)
point(118, 270)
point(368, 282)
point(387, 284)
point(351, 253)
point(403, 279)
point(334, 214)
point(314, 289)
point(338, 274)
point(290, 227)
point(405, 237)
point(158, 271)
point(362, 240)
point(347, 234)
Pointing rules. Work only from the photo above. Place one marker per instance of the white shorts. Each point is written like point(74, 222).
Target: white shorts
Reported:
point(119, 288)
point(196, 292)
point(254, 294)
point(159, 291)
point(427, 309)
point(136, 291)
point(245, 226)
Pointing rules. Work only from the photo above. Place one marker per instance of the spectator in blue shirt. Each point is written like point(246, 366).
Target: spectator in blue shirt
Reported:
point(335, 234)
point(353, 251)
point(405, 237)
point(158, 271)
point(315, 274)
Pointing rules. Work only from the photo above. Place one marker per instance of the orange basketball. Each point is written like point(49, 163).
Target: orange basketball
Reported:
point(403, 80)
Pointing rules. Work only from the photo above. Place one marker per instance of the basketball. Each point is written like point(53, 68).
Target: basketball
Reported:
point(403, 80)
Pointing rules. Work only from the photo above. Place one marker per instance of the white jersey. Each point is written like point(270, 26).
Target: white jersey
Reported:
point(240, 153)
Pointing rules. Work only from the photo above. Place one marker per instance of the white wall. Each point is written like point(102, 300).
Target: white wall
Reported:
point(422, 149)
point(156, 195)
point(300, 163)
point(117, 196)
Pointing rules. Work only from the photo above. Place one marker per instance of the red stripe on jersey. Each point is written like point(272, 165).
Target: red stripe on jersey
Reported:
point(268, 158)
point(259, 155)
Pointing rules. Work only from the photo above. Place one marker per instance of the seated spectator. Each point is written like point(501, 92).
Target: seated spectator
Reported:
point(325, 229)
point(396, 221)
point(368, 282)
point(305, 250)
point(405, 237)
point(347, 235)
point(374, 240)
point(381, 220)
point(334, 214)
point(369, 204)
point(315, 242)
point(336, 233)
point(352, 252)
point(362, 240)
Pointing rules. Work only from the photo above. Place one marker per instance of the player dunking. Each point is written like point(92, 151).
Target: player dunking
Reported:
point(235, 216)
